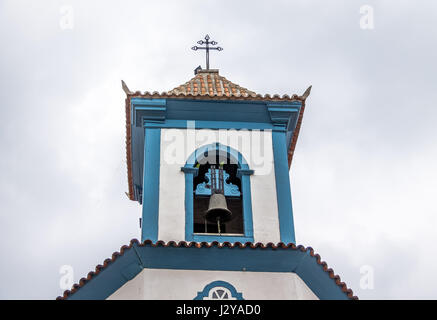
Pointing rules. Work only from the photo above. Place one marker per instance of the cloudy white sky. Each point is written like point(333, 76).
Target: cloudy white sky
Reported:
point(364, 174)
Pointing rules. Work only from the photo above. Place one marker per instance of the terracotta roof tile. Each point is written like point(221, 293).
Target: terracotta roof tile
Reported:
point(210, 83)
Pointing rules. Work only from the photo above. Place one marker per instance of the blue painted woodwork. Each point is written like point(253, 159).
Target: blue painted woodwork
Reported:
point(151, 184)
point(282, 118)
point(150, 109)
point(205, 292)
point(138, 161)
point(198, 237)
point(134, 259)
point(214, 125)
point(244, 175)
point(199, 156)
point(283, 192)
point(204, 188)
point(190, 173)
point(280, 113)
point(153, 110)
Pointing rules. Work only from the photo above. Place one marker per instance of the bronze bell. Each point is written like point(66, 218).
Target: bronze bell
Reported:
point(218, 209)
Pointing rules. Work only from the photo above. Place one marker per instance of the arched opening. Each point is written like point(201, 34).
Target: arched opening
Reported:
point(202, 185)
point(205, 169)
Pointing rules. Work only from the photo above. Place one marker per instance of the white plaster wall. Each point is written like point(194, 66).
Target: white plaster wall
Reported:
point(171, 223)
point(156, 284)
point(178, 144)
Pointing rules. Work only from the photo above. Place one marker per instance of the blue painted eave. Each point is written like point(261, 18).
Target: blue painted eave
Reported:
point(125, 265)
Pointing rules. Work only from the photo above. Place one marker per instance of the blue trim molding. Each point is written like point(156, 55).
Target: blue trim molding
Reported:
point(151, 171)
point(243, 173)
point(212, 124)
point(205, 293)
point(283, 191)
point(283, 117)
point(152, 110)
point(190, 173)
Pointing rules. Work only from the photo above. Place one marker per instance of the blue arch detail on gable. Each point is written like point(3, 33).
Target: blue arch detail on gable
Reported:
point(219, 283)
point(243, 173)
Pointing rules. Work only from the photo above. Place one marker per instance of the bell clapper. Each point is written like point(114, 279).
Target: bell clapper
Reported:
point(218, 226)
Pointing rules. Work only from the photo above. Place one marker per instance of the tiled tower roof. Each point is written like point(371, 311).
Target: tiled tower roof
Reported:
point(210, 83)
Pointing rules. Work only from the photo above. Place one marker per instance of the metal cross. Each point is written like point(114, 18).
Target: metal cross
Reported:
point(207, 47)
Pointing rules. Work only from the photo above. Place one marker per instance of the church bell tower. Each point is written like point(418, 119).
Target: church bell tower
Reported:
point(209, 163)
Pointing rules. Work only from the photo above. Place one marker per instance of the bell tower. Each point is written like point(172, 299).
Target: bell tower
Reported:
point(209, 163)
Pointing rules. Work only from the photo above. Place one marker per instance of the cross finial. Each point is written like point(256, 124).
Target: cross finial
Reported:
point(207, 47)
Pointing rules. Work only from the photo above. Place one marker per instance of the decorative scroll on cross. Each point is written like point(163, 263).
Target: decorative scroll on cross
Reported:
point(207, 47)
point(204, 189)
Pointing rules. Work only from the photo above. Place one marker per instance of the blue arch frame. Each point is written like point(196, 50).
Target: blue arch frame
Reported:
point(204, 293)
point(243, 173)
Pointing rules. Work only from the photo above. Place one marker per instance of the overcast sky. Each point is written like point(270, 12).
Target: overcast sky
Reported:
point(364, 174)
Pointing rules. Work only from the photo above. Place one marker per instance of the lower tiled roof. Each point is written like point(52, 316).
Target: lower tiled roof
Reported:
point(281, 246)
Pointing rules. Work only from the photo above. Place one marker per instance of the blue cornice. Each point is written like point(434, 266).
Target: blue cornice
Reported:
point(281, 114)
point(152, 110)
point(225, 114)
